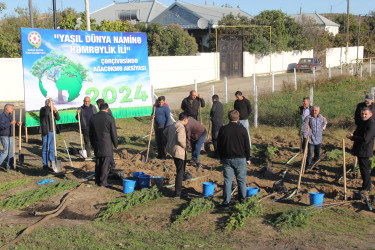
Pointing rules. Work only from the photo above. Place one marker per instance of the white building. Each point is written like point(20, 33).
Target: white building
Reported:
point(320, 20)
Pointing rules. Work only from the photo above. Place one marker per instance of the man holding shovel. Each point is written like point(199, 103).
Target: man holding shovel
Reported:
point(46, 127)
point(86, 111)
point(363, 138)
point(103, 135)
point(6, 135)
point(190, 105)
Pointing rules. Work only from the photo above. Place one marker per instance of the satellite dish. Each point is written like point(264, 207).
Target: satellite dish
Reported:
point(202, 23)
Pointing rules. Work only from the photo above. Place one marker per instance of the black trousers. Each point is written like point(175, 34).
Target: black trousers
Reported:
point(364, 167)
point(215, 133)
point(86, 138)
point(101, 170)
point(161, 141)
point(180, 168)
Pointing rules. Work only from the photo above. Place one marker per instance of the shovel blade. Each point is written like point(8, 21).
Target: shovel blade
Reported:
point(83, 153)
point(56, 166)
point(21, 158)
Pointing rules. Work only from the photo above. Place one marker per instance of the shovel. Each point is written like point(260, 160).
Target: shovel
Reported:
point(21, 157)
point(82, 152)
point(14, 139)
point(149, 140)
point(207, 142)
point(56, 164)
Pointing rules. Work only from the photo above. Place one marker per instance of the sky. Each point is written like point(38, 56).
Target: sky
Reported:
point(252, 7)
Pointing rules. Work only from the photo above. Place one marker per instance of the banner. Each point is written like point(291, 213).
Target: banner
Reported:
point(68, 65)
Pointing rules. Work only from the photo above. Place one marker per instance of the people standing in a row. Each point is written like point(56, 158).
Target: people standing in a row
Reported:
point(103, 135)
point(162, 120)
point(46, 127)
point(176, 146)
point(313, 127)
point(86, 111)
point(363, 138)
point(304, 110)
point(6, 135)
point(190, 105)
point(234, 152)
point(216, 117)
point(243, 106)
point(369, 102)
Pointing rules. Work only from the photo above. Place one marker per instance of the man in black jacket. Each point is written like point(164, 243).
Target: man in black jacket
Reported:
point(46, 127)
point(363, 138)
point(86, 111)
point(190, 104)
point(216, 115)
point(6, 135)
point(234, 151)
point(102, 135)
point(243, 106)
point(369, 102)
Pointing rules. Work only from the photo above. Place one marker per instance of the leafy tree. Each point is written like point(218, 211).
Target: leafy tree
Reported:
point(179, 41)
point(2, 6)
point(116, 26)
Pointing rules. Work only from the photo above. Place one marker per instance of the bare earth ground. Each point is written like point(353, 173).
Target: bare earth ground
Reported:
point(328, 231)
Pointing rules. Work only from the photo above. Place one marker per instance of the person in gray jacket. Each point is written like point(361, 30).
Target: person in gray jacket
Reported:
point(313, 127)
point(86, 111)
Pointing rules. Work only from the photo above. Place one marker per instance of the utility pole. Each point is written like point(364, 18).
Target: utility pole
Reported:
point(31, 14)
point(54, 14)
point(87, 15)
point(347, 34)
point(359, 30)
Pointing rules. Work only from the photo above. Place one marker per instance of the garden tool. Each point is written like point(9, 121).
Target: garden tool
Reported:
point(207, 142)
point(21, 157)
point(149, 140)
point(82, 152)
point(14, 139)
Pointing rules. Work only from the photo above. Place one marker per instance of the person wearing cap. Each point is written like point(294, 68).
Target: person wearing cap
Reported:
point(369, 102)
point(313, 127)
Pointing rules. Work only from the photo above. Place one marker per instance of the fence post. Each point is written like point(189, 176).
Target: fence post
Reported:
point(226, 89)
point(212, 93)
point(195, 85)
point(340, 67)
point(273, 82)
point(311, 95)
point(329, 72)
point(360, 72)
point(314, 75)
point(370, 66)
point(254, 84)
point(295, 79)
point(352, 69)
point(152, 94)
point(256, 107)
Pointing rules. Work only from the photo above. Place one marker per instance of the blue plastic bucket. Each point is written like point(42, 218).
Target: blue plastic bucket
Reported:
point(128, 186)
point(135, 177)
point(208, 189)
point(316, 199)
point(250, 191)
point(144, 181)
point(157, 181)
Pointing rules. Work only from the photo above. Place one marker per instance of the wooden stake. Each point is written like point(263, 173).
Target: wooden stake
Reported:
point(26, 136)
point(303, 163)
point(343, 152)
point(14, 139)
point(355, 167)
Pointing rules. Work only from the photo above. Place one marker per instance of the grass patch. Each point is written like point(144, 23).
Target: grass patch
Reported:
point(296, 217)
point(13, 184)
point(28, 197)
point(122, 204)
point(195, 207)
point(250, 208)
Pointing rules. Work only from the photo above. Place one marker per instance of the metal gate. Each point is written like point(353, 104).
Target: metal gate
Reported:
point(231, 58)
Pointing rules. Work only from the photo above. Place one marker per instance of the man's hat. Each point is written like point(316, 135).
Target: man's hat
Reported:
point(369, 97)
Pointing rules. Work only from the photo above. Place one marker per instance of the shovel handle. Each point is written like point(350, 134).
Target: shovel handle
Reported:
point(20, 131)
point(80, 131)
point(53, 128)
point(14, 139)
point(149, 140)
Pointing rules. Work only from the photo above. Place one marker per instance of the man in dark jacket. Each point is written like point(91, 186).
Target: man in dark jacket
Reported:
point(363, 138)
point(195, 135)
point(46, 127)
point(162, 120)
point(190, 104)
point(102, 135)
point(234, 151)
point(6, 135)
point(216, 116)
point(243, 106)
point(369, 102)
point(86, 111)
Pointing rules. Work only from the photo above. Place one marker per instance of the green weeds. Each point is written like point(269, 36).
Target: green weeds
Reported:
point(13, 184)
point(122, 204)
point(195, 207)
point(296, 217)
point(26, 198)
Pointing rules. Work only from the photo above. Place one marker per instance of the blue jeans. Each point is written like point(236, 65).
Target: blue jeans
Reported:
point(7, 142)
point(196, 147)
point(245, 124)
point(235, 166)
point(48, 149)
